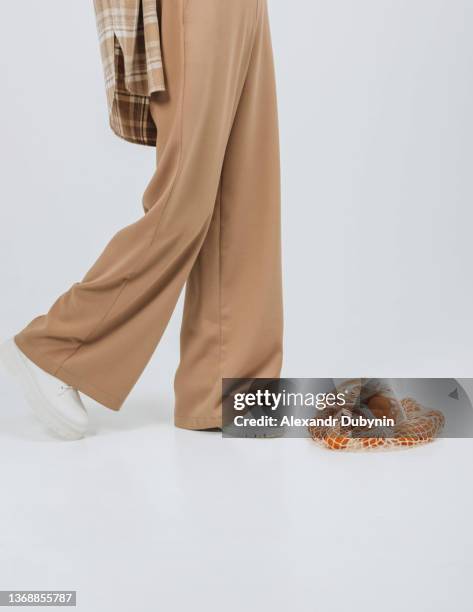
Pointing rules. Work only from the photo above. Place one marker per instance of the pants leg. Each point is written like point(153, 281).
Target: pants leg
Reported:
point(99, 336)
point(233, 323)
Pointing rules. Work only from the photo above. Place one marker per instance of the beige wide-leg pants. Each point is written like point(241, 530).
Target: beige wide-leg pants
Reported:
point(212, 220)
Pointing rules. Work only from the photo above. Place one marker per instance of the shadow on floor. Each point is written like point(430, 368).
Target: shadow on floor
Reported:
point(137, 413)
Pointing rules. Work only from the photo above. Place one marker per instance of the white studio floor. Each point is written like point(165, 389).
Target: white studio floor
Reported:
point(143, 516)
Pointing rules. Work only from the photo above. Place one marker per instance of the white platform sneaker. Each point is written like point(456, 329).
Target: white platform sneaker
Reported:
point(58, 406)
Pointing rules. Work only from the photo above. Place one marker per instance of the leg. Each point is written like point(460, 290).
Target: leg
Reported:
point(233, 312)
point(99, 336)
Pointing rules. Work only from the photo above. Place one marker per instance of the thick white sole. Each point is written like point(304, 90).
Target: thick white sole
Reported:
point(14, 363)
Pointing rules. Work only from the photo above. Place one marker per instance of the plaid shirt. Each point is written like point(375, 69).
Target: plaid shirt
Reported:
point(131, 53)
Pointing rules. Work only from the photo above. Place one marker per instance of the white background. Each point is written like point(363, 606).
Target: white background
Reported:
point(376, 100)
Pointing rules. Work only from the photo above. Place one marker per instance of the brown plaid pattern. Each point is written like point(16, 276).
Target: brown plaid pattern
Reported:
point(130, 46)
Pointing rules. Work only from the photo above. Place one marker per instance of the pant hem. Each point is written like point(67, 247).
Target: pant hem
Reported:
point(43, 362)
point(198, 423)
